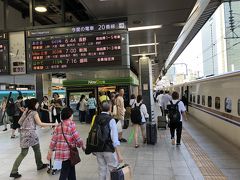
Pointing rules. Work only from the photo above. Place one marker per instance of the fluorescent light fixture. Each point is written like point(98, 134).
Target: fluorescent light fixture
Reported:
point(140, 45)
point(144, 54)
point(40, 9)
point(144, 28)
point(179, 24)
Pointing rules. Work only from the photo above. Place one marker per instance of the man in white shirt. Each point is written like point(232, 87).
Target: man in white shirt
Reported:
point(166, 98)
point(120, 114)
point(177, 125)
point(159, 100)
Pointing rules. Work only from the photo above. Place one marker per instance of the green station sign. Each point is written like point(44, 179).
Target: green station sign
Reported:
point(101, 82)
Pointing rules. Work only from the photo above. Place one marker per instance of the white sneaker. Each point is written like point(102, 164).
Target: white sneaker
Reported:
point(173, 141)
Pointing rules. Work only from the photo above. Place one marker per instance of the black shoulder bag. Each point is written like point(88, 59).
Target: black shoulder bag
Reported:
point(74, 155)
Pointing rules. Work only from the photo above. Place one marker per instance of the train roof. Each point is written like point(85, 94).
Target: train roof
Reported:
point(225, 75)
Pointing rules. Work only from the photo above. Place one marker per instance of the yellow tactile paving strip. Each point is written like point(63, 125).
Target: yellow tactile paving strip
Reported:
point(206, 166)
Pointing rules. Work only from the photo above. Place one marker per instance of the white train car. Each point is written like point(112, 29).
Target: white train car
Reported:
point(215, 102)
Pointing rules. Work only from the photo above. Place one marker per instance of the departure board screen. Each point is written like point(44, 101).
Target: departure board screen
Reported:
point(4, 64)
point(68, 48)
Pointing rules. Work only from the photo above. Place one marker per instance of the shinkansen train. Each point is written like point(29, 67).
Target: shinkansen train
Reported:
point(27, 94)
point(215, 102)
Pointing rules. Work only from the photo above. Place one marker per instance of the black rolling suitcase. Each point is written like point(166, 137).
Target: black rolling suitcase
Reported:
point(162, 122)
point(151, 133)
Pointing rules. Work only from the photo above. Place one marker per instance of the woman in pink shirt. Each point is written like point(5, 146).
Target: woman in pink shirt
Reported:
point(60, 146)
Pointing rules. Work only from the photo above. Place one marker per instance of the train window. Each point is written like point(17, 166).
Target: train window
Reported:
point(217, 102)
point(203, 100)
point(194, 100)
point(190, 97)
point(209, 101)
point(198, 99)
point(239, 107)
point(228, 105)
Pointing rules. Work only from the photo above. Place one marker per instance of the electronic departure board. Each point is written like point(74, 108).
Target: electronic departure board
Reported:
point(66, 48)
point(4, 64)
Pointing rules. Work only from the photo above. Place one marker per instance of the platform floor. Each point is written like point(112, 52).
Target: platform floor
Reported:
point(160, 162)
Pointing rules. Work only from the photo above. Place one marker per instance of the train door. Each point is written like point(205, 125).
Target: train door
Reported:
point(182, 91)
point(187, 97)
point(184, 96)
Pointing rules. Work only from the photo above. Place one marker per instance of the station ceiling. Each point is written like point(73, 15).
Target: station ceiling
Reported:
point(170, 14)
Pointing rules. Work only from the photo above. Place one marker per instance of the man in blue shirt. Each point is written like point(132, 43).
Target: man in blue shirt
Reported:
point(109, 159)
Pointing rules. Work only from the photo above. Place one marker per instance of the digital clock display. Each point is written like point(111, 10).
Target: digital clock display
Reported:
point(76, 47)
point(4, 45)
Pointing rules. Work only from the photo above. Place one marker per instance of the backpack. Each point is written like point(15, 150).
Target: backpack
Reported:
point(10, 109)
point(173, 112)
point(136, 115)
point(99, 136)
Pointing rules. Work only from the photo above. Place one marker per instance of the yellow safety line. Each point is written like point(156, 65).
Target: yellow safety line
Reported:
point(206, 166)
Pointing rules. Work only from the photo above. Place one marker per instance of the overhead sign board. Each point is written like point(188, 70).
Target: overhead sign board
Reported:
point(67, 48)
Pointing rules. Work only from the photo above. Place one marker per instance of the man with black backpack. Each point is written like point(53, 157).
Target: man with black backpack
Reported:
point(103, 142)
point(176, 111)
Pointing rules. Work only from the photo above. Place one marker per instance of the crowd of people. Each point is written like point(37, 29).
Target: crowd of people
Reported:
point(108, 114)
point(12, 111)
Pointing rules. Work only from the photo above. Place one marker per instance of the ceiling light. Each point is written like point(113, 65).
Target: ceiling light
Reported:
point(144, 28)
point(179, 24)
point(144, 54)
point(40, 9)
point(140, 45)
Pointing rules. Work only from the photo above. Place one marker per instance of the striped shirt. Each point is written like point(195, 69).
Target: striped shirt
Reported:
point(58, 143)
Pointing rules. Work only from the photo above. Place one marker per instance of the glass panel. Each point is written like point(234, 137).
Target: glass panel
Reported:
point(228, 105)
point(198, 99)
point(190, 97)
point(203, 100)
point(217, 102)
point(209, 101)
point(194, 99)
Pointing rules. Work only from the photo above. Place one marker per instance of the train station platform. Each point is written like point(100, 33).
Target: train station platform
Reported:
point(202, 155)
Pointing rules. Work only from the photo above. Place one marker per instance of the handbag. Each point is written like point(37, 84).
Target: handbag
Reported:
point(122, 173)
point(74, 155)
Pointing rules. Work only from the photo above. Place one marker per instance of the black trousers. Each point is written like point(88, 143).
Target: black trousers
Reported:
point(82, 116)
point(162, 110)
point(178, 128)
point(67, 171)
point(91, 114)
point(57, 117)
